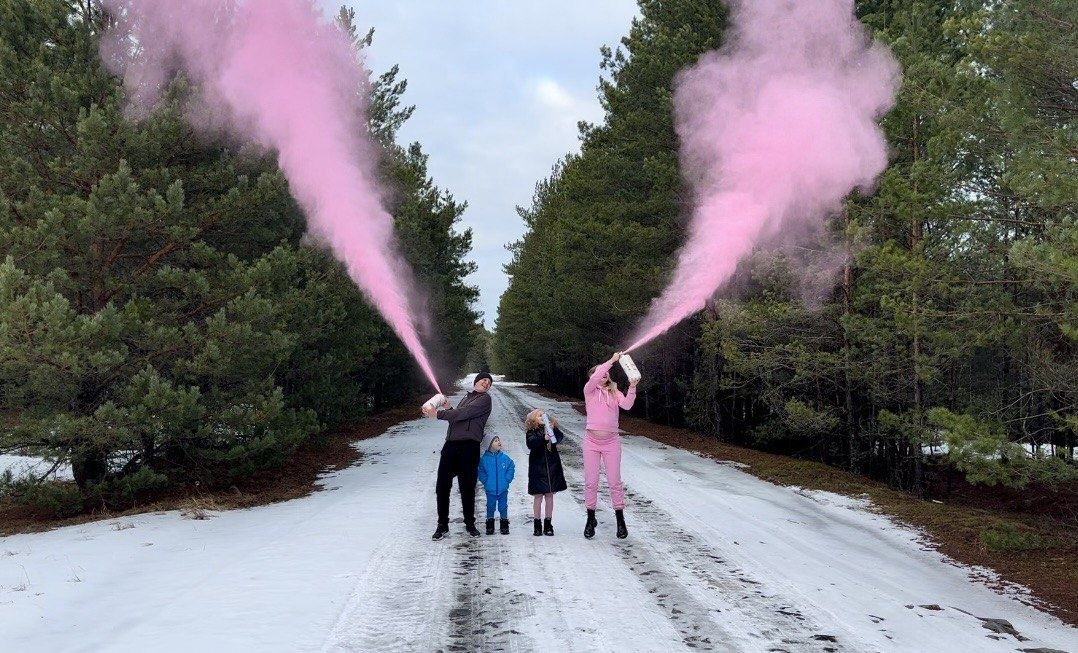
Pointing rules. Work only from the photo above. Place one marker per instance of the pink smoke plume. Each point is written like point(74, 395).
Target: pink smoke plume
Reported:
point(776, 128)
point(275, 73)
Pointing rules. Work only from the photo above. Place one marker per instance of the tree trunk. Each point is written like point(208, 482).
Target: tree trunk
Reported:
point(916, 239)
point(89, 467)
point(847, 290)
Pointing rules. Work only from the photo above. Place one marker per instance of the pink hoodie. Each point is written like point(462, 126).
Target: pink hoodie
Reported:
point(602, 407)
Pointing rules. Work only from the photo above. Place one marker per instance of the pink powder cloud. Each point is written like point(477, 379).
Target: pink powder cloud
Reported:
point(276, 73)
point(776, 129)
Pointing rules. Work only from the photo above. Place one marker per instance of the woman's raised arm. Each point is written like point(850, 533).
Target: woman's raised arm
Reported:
point(600, 371)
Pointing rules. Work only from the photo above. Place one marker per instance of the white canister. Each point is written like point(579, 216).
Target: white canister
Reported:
point(437, 401)
point(549, 429)
point(630, 368)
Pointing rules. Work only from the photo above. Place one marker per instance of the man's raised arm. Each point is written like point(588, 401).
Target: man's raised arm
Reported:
point(481, 405)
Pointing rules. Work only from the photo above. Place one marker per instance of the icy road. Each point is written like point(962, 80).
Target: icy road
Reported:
point(716, 560)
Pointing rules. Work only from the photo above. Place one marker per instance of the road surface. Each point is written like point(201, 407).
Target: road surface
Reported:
point(715, 560)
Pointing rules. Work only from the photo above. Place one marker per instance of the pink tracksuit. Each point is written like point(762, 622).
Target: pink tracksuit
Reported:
point(601, 439)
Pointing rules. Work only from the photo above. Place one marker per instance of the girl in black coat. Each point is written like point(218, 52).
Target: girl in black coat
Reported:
point(545, 475)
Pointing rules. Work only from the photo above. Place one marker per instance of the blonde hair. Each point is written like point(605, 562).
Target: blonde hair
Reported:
point(609, 386)
point(535, 419)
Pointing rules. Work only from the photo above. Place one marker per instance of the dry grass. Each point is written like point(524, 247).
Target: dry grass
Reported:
point(199, 507)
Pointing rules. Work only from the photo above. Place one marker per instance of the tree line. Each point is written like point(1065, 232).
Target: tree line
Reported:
point(951, 326)
point(163, 322)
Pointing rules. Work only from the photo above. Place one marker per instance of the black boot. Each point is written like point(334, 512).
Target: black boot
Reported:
point(472, 530)
point(538, 526)
point(440, 532)
point(623, 532)
point(490, 526)
point(589, 526)
point(505, 526)
point(548, 528)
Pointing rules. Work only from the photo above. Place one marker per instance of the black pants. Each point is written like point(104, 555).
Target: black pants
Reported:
point(460, 458)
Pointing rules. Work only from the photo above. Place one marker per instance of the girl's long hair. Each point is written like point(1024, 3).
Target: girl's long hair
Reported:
point(535, 419)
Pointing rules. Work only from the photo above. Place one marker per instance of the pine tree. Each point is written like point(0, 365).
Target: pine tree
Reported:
point(162, 322)
point(123, 277)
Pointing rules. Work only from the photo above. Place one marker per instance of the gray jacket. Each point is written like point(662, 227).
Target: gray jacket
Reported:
point(469, 418)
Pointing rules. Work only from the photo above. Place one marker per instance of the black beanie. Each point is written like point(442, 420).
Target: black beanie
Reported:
point(483, 375)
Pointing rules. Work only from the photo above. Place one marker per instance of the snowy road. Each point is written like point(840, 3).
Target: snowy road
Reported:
point(716, 560)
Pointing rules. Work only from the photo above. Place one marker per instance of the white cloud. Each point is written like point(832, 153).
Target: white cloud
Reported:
point(553, 95)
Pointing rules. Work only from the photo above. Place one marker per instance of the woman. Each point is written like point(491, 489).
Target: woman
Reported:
point(545, 474)
point(603, 400)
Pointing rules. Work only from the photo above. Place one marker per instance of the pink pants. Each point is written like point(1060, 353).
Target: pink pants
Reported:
point(605, 447)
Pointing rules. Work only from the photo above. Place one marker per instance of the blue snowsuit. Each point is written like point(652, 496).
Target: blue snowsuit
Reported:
point(496, 472)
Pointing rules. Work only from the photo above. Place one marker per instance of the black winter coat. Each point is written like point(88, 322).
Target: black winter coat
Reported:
point(545, 474)
point(469, 419)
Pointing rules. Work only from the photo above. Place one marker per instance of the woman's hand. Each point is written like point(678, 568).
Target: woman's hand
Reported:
point(632, 384)
point(615, 357)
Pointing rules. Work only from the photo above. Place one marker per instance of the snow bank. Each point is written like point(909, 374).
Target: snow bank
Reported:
point(25, 465)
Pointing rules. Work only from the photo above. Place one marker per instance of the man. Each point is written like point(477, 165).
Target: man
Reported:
point(460, 453)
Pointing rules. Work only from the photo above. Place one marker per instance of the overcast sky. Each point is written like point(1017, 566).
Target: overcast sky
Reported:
point(498, 87)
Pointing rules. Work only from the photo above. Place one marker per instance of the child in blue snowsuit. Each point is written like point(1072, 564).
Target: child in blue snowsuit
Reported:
point(496, 470)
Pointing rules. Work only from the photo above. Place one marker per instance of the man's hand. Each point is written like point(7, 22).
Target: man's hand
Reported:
point(430, 411)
